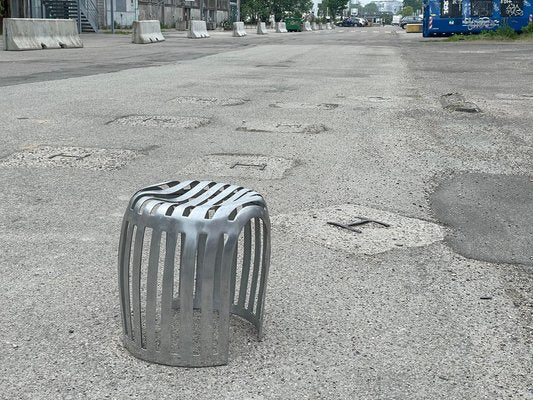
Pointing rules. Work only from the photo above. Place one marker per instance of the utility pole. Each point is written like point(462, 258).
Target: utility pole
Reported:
point(112, 16)
point(79, 16)
point(202, 10)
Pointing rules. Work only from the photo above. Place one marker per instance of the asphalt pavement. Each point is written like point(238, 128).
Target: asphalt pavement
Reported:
point(348, 123)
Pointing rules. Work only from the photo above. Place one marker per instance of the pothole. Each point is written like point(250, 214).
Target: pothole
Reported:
point(514, 97)
point(157, 121)
point(375, 237)
point(311, 129)
point(305, 106)
point(209, 101)
point(379, 98)
point(241, 165)
point(272, 66)
point(278, 89)
point(71, 157)
point(457, 102)
point(34, 120)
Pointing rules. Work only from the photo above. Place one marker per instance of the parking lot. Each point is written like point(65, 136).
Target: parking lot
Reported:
point(349, 123)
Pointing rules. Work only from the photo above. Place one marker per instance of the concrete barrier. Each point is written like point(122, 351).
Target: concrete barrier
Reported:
point(306, 26)
point(314, 26)
point(262, 28)
point(328, 26)
point(413, 28)
point(197, 30)
point(37, 34)
point(147, 32)
point(238, 29)
point(281, 27)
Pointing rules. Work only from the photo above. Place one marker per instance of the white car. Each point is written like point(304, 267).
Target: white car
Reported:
point(360, 21)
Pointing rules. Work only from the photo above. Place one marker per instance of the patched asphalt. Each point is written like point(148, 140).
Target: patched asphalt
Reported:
point(490, 216)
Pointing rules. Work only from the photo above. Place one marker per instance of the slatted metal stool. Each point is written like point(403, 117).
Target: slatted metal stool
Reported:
point(191, 253)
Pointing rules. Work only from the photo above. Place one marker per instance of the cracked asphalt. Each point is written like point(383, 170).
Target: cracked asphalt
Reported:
point(438, 306)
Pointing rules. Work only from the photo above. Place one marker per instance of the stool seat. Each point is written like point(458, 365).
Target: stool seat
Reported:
point(191, 253)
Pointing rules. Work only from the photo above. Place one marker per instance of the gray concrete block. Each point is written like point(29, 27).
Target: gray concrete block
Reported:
point(238, 29)
point(261, 28)
point(197, 30)
point(281, 27)
point(38, 34)
point(145, 32)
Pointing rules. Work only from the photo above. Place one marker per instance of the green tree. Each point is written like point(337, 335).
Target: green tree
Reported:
point(261, 9)
point(415, 4)
point(386, 17)
point(359, 8)
point(322, 9)
point(280, 8)
point(254, 10)
point(370, 9)
point(335, 7)
point(407, 11)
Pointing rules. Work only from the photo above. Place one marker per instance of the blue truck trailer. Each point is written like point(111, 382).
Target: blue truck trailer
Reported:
point(448, 17)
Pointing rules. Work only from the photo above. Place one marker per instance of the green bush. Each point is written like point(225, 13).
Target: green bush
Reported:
point(504, 32)
point(227, 25)
point(528, 30)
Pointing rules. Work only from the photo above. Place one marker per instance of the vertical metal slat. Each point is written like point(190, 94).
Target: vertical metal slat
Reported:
point(136, 285)
point(206, 317)
point(246, 261)
point(186, 296)
point(125, 279)
point(257, 264)
point(264, 272)
point(167, 294)
point(151, 289)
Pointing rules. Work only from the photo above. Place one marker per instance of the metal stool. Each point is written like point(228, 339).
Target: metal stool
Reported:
point(184, 266)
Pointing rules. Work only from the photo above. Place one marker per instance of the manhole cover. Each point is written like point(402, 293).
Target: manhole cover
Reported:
point(241, 165)
point(375, 237)
point(161, 121)
point(305, 106)
point(491, 216)
point(71, 157)
point(208, 101)
point(457, 102)
point(283, 128)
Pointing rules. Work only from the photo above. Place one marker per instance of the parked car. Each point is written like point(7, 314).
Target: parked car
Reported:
point(353, 21)
point(360, 21)
point(347, 22)
point(396, 20)
point(410, 20)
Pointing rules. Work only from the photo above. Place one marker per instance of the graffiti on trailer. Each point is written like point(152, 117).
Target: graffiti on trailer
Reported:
point(480, 23)
point(445, 7)
point(514, 10)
